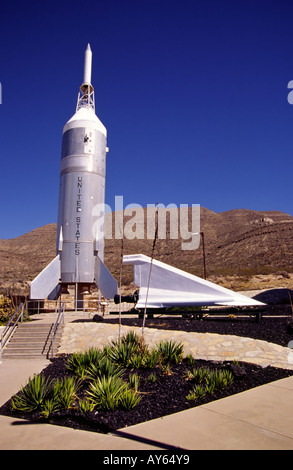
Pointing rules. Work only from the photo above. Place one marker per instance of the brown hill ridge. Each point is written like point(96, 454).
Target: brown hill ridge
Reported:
point(240, 247)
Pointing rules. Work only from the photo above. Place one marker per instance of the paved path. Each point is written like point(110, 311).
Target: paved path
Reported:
point(83, 335)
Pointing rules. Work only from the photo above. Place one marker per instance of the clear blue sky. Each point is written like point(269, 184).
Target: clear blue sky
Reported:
point(193, 95)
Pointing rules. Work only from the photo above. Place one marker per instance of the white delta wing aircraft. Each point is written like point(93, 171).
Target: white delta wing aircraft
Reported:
point(161, 285)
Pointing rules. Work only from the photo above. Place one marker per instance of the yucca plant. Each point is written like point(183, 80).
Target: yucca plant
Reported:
point(66, 389)
point(136, 342)
point(136, 361)
point(198, 375)
point(152, 377)
point(79, 362)
point(170, 351)
point(190, 360)
point(86, 405)
point(33, 396)
point(198, 392)
point(152, 359)
point(105, 368)
point(134, 380)
point(105, 392)
point(121, 354)
point(49, 407)
point(129, 399)
point(219, 379)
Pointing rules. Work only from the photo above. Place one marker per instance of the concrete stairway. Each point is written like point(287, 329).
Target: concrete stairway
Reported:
point(31, 341)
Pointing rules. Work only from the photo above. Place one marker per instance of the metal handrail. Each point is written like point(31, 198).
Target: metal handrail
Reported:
point(56, 326)
point(10, 330)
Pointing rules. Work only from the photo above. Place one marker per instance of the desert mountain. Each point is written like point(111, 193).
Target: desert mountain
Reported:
point(237, 243)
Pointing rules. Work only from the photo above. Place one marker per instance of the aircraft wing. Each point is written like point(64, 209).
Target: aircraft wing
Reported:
point(167, 286)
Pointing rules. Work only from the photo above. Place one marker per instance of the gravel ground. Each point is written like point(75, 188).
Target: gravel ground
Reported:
point(168, 393)
point(276, 325)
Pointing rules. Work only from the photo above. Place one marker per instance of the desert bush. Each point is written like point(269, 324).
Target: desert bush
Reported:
point(152, 377)
point(219, 379)
point(198, 392)
point(130, 351)
point(104, 368)
point(34, 395)
point(129, 399)
point(105, 393)
point(86, 405)
point(79, 363)
point(66, 390)
point(49, 406)
point(152, 359)
point(6, 308)
point(134, 381)
point(208, 381)
point(198, 375)
point(170, 351)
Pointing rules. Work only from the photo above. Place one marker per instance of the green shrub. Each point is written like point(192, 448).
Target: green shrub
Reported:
point(86, 405)
point(121, 354)
point(106, 392)
point(104, 368)
point(33, 396)
point(152, 359)
point(136, 361)
point(6, 309)
point(129, 351)
point(66, 390)
point(219, 379)
point(152, 377)
point(170, 351)
point(190, 360)
point(198, 375)
point(198, 392)
point(49, 407)
point(79, 362)
point(134, 380)
point(129, 399)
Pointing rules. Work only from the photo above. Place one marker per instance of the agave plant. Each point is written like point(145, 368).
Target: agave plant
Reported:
point(170, 351)
point(49, 407)
point(86, 405)
point(106, 392)
point(134, 380)
point(121, 354)
point(220, 379)
point(152, 359)
point(105, 368)
point(33, 396)
point(198, 392)
point(198, 375)
point(66, 389)
point(129, 399)
point(79, 362)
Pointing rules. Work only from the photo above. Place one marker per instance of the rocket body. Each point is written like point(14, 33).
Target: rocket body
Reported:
point(80, 228)
point(82, 189)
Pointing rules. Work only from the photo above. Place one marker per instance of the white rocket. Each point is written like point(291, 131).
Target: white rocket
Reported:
point(80, 239)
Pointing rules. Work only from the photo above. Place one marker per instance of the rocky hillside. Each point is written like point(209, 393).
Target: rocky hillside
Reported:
point(239, 244)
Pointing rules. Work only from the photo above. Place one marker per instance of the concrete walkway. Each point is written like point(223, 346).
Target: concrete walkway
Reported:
point(256, 419)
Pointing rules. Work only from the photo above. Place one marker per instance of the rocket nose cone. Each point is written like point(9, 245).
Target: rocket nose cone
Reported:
point(88, 47)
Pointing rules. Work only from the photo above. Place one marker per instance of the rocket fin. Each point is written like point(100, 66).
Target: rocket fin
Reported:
point(170, 287)
point(104, 280)
point(45, 284)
